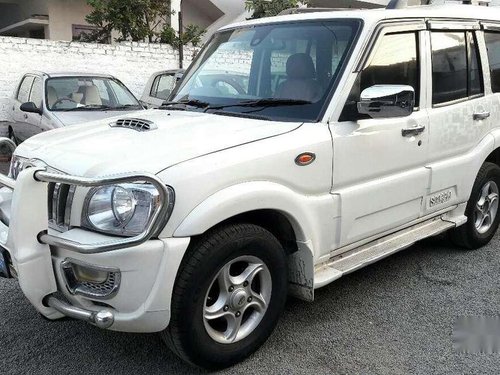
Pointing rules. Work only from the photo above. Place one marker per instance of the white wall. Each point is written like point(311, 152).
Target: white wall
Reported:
point(132, 63)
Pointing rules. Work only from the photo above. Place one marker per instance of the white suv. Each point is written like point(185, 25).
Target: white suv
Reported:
point(326, 142)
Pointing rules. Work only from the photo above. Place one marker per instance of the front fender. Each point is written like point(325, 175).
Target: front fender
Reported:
point(310, 216)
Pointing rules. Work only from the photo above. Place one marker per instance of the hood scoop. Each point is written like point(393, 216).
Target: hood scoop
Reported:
point(137, 124)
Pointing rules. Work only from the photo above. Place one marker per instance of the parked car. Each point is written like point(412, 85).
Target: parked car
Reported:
point(46, 101)
point(159, 87)
point(196, 220)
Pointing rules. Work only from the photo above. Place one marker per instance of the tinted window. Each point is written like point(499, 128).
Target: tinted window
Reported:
point(456, 67)
point(23, 93)
point(449, 67)
point(395, 62)
point(475, 73)
point(37, 92)
point(493, 45)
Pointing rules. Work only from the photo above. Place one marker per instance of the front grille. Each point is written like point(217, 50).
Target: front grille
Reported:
point(60, 199)
point(135, 124)
point(60, 196)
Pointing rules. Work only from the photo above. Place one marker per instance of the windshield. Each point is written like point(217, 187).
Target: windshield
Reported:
point(280, 71)
point(88, 93)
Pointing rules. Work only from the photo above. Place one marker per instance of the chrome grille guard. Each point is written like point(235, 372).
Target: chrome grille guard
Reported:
point(153, 228)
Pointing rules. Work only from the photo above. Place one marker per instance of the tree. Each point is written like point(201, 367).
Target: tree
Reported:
point(135, 20)
point(191, 34)
point(270, 8)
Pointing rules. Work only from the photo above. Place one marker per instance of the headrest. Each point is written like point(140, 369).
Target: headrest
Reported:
point(51, 96)
point(77, 97)
point(91, 96)
point(300, 66)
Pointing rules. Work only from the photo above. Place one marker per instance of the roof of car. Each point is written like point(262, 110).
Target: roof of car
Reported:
point(448, 11)
point(54, 74)
point(169, 71)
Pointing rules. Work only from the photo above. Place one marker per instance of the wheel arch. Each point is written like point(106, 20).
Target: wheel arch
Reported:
point(494, 157)
point(297, 221)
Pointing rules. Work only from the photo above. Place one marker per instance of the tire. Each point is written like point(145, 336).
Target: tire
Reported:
point(197, 297)
point(472, 235)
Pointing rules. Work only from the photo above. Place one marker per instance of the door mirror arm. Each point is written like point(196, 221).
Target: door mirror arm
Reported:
point(387, 101)
point(31, 107)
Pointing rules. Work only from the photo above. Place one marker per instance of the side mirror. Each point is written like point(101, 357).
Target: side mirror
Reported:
point(387, 101)
point(31, 107)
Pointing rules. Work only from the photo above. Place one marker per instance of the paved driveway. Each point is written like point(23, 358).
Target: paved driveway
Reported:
point(394, 317)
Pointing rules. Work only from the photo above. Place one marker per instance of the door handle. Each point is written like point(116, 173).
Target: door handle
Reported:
point(481, 116)
point(413, 131)
point(25, 116)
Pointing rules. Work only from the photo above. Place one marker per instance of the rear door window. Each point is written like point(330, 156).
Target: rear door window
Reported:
point(456, 67)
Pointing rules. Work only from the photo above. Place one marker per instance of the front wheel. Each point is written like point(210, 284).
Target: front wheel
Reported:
point(482, 210)
point(228, 296)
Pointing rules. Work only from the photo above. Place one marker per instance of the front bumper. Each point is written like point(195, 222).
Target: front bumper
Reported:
point(147, 266)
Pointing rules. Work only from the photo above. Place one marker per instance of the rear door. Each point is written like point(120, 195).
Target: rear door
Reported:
point(379, 172)
point(459, 114)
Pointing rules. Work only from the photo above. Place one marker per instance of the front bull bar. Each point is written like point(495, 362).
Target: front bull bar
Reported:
point(103, 318)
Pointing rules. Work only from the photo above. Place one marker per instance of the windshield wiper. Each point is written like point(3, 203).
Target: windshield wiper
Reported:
point(191, 102)
point(90, 107)
point(268, 102)
point(127, 106)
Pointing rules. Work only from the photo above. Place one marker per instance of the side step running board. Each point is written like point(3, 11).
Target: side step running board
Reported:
point(367, 254)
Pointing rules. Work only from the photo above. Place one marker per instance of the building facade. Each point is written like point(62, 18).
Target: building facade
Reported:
point(44, 19)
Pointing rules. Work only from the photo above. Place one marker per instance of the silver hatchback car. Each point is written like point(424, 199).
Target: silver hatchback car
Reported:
point(45, 101)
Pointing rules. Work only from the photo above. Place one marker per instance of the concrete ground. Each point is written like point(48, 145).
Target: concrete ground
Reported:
point(394, 317)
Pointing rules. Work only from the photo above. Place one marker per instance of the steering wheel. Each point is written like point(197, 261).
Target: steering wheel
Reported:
point(60, 100)
point(231, 82)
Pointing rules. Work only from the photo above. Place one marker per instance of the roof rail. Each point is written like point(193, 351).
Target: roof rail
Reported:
point(393, 4)
point(400, 4)
point(307, 10)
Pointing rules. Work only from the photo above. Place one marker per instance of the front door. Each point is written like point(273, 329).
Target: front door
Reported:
point(379, 171)
point(34, 120)
point(20, 118)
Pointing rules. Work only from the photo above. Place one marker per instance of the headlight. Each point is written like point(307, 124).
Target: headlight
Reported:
point(17, 164)
point(124, 210)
